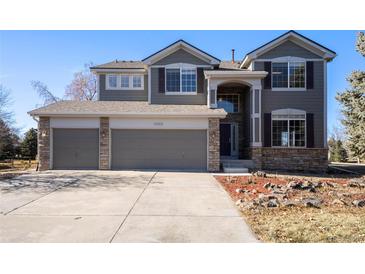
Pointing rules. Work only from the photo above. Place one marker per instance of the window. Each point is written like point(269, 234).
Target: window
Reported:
point(112, 81)
point(173, 80)
point(288, 128)
point(229, 102)
point(182, 80)
point(137, 81)
point(288, 75)
point(188, 80)
point(124, 82)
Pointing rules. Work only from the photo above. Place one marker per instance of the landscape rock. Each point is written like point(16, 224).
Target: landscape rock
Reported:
point(338, 202)
point(359, 203)
point(356, 182)
point(312, 202)
point(273, 203)
point(259, 173)
point(290, 203)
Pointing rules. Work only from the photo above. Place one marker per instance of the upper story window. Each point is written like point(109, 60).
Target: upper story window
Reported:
point(229, 102)
point(288, 128)
point(288, 75)
point(125, 82)
point(181, 80)
point(112, 81)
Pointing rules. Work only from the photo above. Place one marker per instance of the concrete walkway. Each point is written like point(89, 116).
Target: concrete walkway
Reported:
point(118, 206)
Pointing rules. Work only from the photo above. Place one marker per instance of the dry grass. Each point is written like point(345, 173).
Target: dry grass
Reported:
point(308, 225)
point(18, 164)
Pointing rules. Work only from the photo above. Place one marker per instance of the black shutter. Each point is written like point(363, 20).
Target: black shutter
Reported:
point(200, 80)
point(267, 129)
point(310, 130)
point(161, 80)
point(267, 80)
point(310, 75)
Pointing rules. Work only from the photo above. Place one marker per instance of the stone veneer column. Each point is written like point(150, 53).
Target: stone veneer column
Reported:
point(104, 139)
point(43, 143)
point(213, 146)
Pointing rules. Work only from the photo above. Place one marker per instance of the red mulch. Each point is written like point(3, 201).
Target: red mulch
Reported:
point(327, 194)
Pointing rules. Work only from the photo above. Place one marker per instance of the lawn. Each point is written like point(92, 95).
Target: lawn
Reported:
point(299, 209)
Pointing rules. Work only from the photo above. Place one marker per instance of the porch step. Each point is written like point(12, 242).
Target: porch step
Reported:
point(236, 166)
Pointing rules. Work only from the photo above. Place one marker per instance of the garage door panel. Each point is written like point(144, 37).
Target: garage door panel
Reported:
point(75, 148)
point(159, 149)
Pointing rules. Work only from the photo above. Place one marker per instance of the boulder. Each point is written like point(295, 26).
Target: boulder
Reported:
point(356, 182)
point(259, 173)
point(273, 203)
point(312, 202)
point(289, 203)
point(359, 203)
point(338, 202)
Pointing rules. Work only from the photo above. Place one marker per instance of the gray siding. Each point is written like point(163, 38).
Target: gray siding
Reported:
point(122, 95)
point(159, 149)
point(288, 48)
point(162, 98)
point(311, 100)
point(75, 148)
point(181, 56)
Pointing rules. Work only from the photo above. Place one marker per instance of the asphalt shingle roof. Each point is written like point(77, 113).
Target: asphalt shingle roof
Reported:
point(99, 108)
point(118, 64)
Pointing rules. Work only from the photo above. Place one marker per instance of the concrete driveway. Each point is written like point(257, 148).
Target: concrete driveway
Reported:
point(118, 206)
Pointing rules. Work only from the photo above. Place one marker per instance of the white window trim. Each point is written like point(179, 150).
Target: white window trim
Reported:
point(289, 60)
point(236, 94)
point(107, 81)
point(119, 82)
point(288, 119)
point(181, 67)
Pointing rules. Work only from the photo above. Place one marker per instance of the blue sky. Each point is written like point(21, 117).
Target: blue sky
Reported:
point(53, 56)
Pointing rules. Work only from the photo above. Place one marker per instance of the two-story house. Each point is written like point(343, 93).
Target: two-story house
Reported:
point(184, 109)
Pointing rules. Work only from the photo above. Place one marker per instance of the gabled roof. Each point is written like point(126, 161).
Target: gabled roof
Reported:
point(295, 37)
point(181, 44)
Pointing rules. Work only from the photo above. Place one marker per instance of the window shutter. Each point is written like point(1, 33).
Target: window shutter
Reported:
point(267, 80)
point(310, 130)
point(200, 80)
point(161, 80)
point(310, 75)
point(267, 130)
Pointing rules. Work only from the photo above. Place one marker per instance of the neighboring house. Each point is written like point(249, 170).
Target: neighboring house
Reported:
point(182, 108)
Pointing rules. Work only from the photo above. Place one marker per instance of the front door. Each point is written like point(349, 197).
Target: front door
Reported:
point(225, 139)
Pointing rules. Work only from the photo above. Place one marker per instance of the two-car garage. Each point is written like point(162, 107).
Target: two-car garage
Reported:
point(175, 145)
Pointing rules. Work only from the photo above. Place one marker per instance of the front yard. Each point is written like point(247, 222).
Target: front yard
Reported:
point(282, 208)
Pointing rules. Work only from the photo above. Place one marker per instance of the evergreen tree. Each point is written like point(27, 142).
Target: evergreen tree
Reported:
point(8, 141)
point(28, 146)
point(337, 151)
point(353, 107)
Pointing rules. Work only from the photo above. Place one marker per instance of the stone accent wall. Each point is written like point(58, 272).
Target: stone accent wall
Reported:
point(213, 146)
point(44, 135)
point(305, 159)
point(256, 157)
point(104, 140)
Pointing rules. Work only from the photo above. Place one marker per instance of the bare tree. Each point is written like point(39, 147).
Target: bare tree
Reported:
point(5, 101)
point(44, 92)
point(83, 85)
